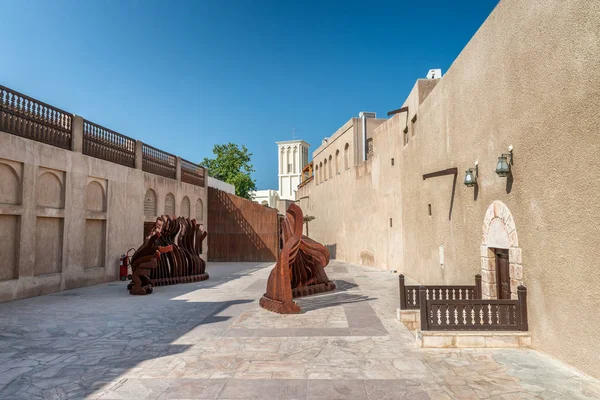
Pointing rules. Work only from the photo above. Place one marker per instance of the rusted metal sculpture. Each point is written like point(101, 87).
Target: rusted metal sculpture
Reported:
point(299, 270)
point(145, 259)
point(170, 255)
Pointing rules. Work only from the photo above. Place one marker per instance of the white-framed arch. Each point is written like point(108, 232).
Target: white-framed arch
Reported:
point(499, 232)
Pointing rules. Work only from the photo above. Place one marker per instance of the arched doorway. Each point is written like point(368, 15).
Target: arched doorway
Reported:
point(501, 259)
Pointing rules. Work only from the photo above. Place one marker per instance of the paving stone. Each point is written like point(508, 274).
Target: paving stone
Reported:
point(339, 389)
point(212, 340)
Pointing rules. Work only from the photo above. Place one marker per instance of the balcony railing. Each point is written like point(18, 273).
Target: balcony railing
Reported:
point(25, 116)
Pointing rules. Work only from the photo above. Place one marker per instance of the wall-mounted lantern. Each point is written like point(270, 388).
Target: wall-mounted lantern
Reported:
point(471, 176)
point(504, 163)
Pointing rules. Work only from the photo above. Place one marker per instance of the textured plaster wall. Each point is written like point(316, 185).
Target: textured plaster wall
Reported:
point(526, 79)
point(66, 218)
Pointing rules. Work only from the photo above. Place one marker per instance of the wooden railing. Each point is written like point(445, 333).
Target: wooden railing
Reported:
point(158, 162)
point(103, 143)
point(474, 315)
point(25, 116)
point(192, 173)
point(409, 294)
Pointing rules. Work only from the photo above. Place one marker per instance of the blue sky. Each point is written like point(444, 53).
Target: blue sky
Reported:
point(185, 75)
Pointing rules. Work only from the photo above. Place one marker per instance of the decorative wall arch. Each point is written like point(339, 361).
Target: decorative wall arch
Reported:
point(49, 191)
point(150, 209)
point(295, 159)
point(185, 207)
point(321, 172)
point(170, 204)
point(10, 182)
point(499, 232)
point(95, 198)
point(337, 162)
point(346, 156)
point(330, 166)
point(317, 174)
point(325, 170)
point(199, 210)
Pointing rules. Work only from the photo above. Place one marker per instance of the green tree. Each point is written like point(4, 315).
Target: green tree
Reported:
point(232, 165)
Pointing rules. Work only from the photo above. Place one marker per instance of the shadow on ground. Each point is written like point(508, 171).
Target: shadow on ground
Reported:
point(334, 298)
point(70, 344)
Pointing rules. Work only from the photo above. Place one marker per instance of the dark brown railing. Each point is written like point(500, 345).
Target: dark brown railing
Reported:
point(158, 162)
point(409, 294)
point(192, 173)
point(27, 117)
point(103, 143)
point(24, 116)
point(474, 315)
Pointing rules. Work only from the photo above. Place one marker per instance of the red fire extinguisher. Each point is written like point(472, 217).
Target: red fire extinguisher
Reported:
point(123, 267)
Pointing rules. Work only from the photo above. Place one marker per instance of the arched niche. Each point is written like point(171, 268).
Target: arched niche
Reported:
point(95, 198)
point(170, 204)
point(49, 190)
point(199, 210)
point(185, 207)
point(150, 209)
point(10, 184)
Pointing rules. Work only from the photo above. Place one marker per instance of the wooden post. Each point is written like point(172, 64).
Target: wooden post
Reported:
point(522, 295)
point(423, 308)
point(403, 305)
point(478, 286)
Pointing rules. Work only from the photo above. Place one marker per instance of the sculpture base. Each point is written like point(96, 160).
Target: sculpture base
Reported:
point(313, 289)
point(279, 307)
point(179, 279)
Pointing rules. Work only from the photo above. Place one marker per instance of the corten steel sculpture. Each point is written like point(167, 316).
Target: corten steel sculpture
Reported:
point(170, 255)
point(184, 264)
point(145, 259)
point(299, 270)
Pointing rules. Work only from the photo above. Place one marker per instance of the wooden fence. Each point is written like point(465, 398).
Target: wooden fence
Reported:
point(474, 315)
point(409, 294)
point(103, 143)
point(240, 230)
point(25, 116)
point(32, 119)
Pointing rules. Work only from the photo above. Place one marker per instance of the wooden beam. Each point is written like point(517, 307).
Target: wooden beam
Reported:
point(449, 171)
point(398, 111)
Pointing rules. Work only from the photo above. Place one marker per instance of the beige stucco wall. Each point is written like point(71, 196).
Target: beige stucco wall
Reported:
point(66, 218)
point(527, 79)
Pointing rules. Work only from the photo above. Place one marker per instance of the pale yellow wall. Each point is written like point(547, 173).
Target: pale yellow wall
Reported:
point(66, 218)
point(528, 78)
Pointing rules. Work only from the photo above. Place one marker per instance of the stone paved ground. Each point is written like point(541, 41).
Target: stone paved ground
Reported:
point(211, 340)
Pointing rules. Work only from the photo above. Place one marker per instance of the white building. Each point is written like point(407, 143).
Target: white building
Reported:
point(293, 156)
point(268, 197)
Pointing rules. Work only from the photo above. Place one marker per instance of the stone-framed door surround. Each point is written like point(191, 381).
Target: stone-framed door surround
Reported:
point(499, 232)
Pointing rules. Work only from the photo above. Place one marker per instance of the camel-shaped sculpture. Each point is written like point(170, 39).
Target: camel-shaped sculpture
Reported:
point(299, 270)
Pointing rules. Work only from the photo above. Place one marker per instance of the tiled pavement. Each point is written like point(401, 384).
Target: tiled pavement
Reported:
point(211, 340)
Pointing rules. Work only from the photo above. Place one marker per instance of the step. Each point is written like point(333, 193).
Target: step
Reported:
point(473, 339)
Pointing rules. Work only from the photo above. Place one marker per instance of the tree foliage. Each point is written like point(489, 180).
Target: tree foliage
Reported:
point(232, 165)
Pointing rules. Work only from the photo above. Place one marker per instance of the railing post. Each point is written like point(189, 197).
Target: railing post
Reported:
point(139, 154)
point(178, 168)
point(423, 308)
point(478, 286)
point(403, 305)
point(522, 296)
point(77, 134)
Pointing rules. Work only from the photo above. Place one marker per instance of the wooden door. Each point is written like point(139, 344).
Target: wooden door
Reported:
point(502, 274)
